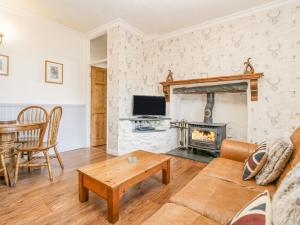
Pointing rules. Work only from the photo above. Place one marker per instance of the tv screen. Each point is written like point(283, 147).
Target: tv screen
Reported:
point(149, 105)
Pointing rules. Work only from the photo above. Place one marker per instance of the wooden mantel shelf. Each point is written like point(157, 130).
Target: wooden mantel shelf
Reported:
point(252, 77)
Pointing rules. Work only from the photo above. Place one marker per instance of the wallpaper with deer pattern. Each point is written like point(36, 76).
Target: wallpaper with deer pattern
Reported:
point(131, 71)
point(270, 37)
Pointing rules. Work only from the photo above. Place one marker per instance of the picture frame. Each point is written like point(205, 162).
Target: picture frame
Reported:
point(54, 72)
point(4, 65)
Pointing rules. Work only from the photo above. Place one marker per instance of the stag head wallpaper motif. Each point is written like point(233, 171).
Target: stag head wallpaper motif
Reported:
point(270, 37)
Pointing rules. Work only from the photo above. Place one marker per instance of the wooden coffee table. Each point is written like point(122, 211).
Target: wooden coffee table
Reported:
point(109, 179)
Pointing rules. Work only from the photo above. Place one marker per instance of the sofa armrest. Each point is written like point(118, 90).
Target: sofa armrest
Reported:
point(237, 150)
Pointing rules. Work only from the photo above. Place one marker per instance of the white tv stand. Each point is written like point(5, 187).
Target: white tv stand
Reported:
point(157, 139)
point(145, 124)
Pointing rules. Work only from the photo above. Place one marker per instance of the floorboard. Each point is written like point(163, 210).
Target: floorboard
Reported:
point(35, 200)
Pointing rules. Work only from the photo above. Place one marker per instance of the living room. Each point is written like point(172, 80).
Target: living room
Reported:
point(98, 97)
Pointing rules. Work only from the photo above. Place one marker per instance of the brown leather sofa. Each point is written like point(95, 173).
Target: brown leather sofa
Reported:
point(218, 192)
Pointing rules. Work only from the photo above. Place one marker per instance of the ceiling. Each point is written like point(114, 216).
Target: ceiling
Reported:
point(150, 16)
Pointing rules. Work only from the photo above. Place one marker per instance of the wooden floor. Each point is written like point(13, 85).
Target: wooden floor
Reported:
point(35, 200)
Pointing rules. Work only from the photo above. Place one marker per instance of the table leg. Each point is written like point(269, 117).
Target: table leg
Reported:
point(10, 170)
point(83, 192)
point(4, 169)
point(113, 199)
point(6, 143)
point(166, 172)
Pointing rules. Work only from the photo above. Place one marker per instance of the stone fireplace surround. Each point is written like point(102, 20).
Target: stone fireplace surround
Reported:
point(230, 108)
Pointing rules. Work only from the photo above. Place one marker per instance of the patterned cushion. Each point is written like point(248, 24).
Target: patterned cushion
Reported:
point(255, 162)
point(286, 200)
point(257, 212)
point(278, 156)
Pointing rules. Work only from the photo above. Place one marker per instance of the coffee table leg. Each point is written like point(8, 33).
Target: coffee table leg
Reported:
point(83, 192)
point(113, 205)
point(166, 172)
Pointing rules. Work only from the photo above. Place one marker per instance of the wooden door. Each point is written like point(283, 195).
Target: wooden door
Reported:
point(98, 106)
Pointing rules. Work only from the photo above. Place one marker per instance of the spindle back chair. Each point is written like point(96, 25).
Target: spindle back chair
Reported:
point(54, 122)
point(31, 114)
point(44, 147)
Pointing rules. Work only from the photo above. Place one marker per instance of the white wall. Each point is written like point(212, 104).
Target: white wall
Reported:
point(29, 41)
point(72, 130)
point(98, 48)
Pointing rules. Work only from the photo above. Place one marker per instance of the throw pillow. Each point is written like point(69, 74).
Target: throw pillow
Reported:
point(278, 156)
point(286, 200)
point(255, 161)
point(257, 212)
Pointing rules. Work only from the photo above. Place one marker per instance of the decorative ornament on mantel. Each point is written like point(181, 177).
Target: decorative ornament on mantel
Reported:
point(170, 76)
point(249, 69)
point(166, 88)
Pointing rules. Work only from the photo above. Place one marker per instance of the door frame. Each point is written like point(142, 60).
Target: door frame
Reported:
point(88, 90)
point(91, 105)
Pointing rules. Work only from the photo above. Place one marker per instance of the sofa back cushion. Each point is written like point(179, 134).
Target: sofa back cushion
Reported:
point(295, 158)
point(255, 162)
point(279, 154)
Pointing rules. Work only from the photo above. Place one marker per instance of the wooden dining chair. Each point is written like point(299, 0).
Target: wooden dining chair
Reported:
point(39, 146)
point(55, 117)
point(31, 114)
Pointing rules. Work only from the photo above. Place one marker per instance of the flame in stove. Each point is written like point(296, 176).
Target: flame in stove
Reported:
point(203, 135)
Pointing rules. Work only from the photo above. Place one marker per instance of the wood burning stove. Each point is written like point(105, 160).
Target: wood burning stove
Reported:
point(207, 136)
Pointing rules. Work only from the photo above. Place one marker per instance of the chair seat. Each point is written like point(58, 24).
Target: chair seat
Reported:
point(34, 146)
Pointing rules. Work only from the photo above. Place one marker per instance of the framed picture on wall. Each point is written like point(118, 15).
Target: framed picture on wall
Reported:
point(54, 72)
point(4, 65)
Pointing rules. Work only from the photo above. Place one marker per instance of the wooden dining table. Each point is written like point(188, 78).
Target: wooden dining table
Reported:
point(8, 135)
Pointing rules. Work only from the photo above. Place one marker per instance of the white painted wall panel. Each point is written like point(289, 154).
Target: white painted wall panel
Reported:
point(72, 131)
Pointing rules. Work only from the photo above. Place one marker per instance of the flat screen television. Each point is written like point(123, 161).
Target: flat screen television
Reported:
point(149, 105)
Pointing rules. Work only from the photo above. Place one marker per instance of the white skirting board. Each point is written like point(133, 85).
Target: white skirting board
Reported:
point(72, 131)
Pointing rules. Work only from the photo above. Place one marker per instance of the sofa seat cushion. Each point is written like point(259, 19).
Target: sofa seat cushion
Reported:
point(172, 214)
point(201, 220)
point(232, 171)
point(214, 198)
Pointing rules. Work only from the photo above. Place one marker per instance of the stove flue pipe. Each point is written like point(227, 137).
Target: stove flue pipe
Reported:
point(210, 101)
